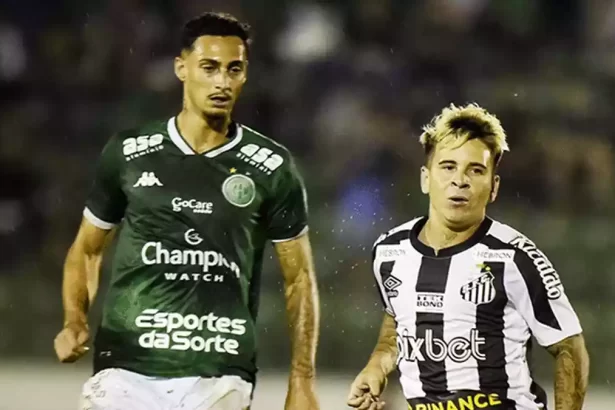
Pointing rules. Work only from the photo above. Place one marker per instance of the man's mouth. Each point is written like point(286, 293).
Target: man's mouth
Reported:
point(459, 200)
point(220, 98)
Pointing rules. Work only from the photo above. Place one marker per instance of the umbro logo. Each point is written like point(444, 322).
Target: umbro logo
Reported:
point(390, 284)
point(148, 179)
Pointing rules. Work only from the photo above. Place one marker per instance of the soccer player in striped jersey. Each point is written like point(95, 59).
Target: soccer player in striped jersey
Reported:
point(464, 293)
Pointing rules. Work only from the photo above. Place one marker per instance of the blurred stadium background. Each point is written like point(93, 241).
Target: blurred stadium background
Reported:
point(346, 85)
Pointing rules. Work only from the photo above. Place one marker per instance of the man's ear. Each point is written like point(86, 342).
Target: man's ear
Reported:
point(424, 180)
point(495, 188)
point(180, 68)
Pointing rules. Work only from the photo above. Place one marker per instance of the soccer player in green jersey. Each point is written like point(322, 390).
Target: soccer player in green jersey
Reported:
point(194, 200)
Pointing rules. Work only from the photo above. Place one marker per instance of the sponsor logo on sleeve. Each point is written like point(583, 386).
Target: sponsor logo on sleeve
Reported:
point(549, 276)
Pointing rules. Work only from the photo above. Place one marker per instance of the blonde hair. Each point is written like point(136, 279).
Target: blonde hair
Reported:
point(457, 125)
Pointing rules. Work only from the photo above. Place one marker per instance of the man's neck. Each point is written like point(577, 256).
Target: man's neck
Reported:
point(437, 235)
point(202, 134)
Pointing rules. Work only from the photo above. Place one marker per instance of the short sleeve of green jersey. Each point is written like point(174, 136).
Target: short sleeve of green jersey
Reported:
point(287, 212)
point(106, 201)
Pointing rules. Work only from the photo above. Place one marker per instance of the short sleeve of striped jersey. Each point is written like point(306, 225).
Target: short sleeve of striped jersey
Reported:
point(106, 201)
point(536, 291)
point(378, 268)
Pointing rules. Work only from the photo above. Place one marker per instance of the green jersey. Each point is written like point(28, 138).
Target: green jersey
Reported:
point(184, 287)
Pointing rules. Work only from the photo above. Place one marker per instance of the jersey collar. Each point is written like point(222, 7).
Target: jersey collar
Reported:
point(181, 144)
point(453, 250)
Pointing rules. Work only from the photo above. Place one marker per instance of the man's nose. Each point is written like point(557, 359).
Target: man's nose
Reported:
point(222, 80)
point(461, 180)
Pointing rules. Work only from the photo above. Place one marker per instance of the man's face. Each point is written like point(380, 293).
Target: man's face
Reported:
point(213, 74)
point(460, 182)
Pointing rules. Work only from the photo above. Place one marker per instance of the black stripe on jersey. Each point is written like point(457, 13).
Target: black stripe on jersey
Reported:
point(432, 277)
point(492, 374)
point(387, 267)
point(494, 243)
point(394, 239)
point(538, 294)
point(385, 272)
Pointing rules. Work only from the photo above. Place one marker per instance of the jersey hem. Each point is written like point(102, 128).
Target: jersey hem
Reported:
point(96, 221)
point(559, 338)
point(244, 375)
point(303, 232)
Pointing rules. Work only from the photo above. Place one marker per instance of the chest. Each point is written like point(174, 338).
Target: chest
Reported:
point(193, 189)
point(460, 290)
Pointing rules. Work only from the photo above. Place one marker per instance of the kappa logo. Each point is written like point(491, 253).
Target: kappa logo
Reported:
point(262, 158)
point(480, 291)
point(142, 145)
point(148, 179)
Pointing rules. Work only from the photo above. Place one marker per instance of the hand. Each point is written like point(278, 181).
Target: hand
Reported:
point(70, 343)
point(301, 394)
point(366, 389)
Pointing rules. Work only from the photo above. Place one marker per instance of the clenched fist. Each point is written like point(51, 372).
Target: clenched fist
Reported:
point(70, 343)
point(366, 389)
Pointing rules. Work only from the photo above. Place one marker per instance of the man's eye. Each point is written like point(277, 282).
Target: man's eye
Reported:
point(208, 68)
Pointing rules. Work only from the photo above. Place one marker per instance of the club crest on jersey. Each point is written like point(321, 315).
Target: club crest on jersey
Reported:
point(481, 290)
point(239, 190)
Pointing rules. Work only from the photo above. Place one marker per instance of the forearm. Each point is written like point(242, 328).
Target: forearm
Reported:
point(384, 354)
point(303, 317)
point(75, 295)
point(571, 374)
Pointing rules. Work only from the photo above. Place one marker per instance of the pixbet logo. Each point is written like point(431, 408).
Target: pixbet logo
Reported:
point(458, 349)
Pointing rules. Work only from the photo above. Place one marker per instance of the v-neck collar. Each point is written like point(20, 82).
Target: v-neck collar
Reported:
point(184, 147)
point(426, 250)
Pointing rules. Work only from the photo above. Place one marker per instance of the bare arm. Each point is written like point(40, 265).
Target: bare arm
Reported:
point(571, 372)
point(301, 303)
point(384, 355)
point(82, 271)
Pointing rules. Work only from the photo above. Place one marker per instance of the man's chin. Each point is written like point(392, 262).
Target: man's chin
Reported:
point(458, 220)
point(215, 112)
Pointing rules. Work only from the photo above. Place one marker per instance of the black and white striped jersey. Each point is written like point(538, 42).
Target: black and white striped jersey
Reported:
point(465, 316)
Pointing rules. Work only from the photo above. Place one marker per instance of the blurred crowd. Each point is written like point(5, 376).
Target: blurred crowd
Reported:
point(346, 85)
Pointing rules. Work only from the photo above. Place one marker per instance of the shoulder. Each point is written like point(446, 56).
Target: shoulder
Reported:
point(397, 234)
point(133, 142)
point(149, 134)
point(267, 155)
point(509, 238)
point(256, 140)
